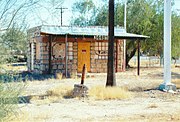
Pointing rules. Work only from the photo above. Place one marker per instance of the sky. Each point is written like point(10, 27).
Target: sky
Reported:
point(68, 14)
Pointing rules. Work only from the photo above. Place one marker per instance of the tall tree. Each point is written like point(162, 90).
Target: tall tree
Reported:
point(139, 15)
point(86, 10)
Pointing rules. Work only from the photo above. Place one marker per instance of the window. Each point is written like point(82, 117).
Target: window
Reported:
point(101, 50)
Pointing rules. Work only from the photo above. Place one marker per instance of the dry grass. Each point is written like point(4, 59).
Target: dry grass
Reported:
point(73, 75)
point(31, 117)
point(109, 93)
point(60, 91)
point(177, 83)
point(53, 95)
point(153, 105)
point(59, 76)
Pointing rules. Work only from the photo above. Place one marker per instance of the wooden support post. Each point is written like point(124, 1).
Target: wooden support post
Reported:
point(83, 74)
point(138, 57)
point(50, 54)
point(66, 56)
point(117, 54)
point(124, 55)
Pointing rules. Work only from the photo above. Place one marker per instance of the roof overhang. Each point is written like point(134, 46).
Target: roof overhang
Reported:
point(91, 31)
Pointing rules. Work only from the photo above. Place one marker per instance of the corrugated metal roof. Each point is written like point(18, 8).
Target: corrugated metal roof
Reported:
point(88, 31)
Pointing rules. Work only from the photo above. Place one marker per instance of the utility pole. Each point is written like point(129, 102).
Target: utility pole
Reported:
point(61, 8)
point(111, 80)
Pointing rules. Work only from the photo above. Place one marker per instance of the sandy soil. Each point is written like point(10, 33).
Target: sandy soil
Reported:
point(146, 104)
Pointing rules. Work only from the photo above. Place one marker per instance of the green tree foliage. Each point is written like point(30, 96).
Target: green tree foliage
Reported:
point(139, 16)
point(102, 17)
point(86, 12)
point(175, 36)
point(13, 42)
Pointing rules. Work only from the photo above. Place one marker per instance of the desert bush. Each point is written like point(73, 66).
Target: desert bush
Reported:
point(9, 93)
point(108, 93)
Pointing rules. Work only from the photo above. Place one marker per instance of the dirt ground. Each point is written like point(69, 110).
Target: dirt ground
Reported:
point(146, 104)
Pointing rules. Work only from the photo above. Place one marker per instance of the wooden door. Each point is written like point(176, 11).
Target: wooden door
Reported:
point(83, 55)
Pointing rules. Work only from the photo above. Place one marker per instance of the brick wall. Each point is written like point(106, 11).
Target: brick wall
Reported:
point(41, 65)
point(100, 65)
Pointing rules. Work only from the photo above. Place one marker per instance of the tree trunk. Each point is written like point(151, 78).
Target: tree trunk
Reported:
point(111, 80)
point(129, 56)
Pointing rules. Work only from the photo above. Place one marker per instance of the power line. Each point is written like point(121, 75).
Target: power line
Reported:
point(61, 8)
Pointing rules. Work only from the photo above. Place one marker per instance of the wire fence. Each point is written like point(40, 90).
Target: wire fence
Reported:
point(151, 61)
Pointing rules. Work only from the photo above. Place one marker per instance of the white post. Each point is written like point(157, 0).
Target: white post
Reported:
point(167, 42)
point(125, 14)
point(125, 8)
point(167, 85)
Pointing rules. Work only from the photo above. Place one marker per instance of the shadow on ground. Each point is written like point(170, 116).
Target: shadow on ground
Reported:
point(24, 76)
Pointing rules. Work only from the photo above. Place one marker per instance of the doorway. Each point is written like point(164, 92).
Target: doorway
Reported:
point(83, 55)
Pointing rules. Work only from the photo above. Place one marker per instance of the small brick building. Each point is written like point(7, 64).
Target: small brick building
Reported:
point(54, 49)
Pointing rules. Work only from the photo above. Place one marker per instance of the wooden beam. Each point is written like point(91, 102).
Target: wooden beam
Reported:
point(70, 39)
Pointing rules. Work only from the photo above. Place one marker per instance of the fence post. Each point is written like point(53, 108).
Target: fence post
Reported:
point(83, 74)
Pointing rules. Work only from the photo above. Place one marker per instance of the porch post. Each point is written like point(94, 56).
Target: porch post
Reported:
point(138, 57)
point(117, 54)
point(124, 55)
point(50, 53)
point(66, 57)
